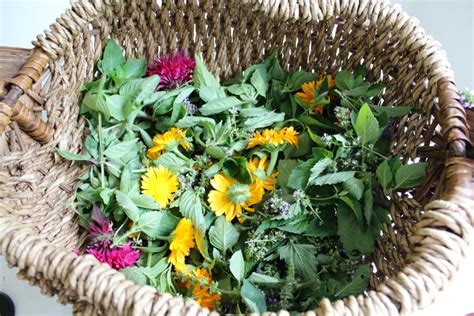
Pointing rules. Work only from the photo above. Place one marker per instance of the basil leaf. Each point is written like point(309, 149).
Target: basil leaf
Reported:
point(237, 265)
point(366, 125)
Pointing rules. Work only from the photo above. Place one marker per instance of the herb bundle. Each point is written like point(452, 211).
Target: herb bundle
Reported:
point(262, 193)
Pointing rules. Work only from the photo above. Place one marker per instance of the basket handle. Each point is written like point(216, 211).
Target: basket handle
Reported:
point(13, 109)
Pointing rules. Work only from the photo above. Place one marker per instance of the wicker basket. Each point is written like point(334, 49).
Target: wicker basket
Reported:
point(415, 257)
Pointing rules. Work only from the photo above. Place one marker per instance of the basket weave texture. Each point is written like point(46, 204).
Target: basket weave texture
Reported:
point(415, 257)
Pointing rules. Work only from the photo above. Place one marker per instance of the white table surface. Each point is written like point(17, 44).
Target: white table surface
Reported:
point(450, 21)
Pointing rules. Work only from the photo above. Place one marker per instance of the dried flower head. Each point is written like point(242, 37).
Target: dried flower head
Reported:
point(174, 70)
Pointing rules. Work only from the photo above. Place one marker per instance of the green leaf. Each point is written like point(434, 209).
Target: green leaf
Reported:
point(384, 175)
point(96, 101)
point(135, 274)
point(392, 111)
point(410, 176)
point(157, 223)
point(333, 178)
point(303, 256)
point(237, 265)
point(202, 77)
point(128, 206)
point(144, 201)
point(236, 167)
point(126, 183)
point(368, 202)
point(219, 105)
point(259, 80)
point(299, 177)
point(353, 236)
point(191, 121)
point(190, 206)
point(119, 106)
point(285, 167)
point(170, 161)
point(253, 298)
point(208, 94)
point(358, 284)
point(140, 89)
point(344, 80)
point(296, 79)
point(121, 149)
point(355, 187)
point(319, 167)
point(201, 242)
point(112, 57)
point(223, 235)
point(262, 278)
point(132, 69)
point(355, 207)
point(72, 156)
point(264, 120)
point(367, 126)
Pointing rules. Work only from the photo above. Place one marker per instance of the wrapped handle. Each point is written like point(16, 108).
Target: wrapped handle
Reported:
point(13, 109)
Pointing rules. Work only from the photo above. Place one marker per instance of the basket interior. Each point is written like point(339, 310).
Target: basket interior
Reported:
point(230, 35)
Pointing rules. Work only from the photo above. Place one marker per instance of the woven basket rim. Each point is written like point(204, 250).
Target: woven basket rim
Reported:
point(443, 232)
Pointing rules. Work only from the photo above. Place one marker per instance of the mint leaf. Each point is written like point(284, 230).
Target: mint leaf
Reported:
point(333, 178)
point(237, 265)
point(384, 175)
point(319, 167)
point(303, 256)
point(299, 177)
point(144, 201)
point(355, 187)
point(410, 176)
point(202, 77)
point(208, 94)
point(223, 235)
point(132, 69)
point(128, 206)
point(190, 206)
point(366, 125)
point(344, 80)
point(72, 156)
point(136, 274)
point(358, 284)
point(262, 278)
point(157, 223)
point(285, 167)
point(259, 80)
point(138, 90)
point(170, 161)
point(355, 207)
point(236, 167)
point(368, 202)
point(191, 121)
point(392, 111)
point(264, 120)
point(353, 236)
point(219, 105)
point(112, 58)
point(253, 298)
point(121, 149)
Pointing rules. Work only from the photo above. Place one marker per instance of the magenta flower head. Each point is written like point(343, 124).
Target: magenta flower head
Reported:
point(116, 257)
point(174, 70)
point(100, 228)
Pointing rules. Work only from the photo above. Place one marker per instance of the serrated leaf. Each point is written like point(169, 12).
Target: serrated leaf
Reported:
point(393, 111)
point(191, 121)
point(128, 206)
point(223, 235)
point(303, 257)
point(344, 80)
point(354, 237)
point(264, 120)
point(262, 278)
point(410, 176)
point(202, 77)
point(333, 178)
point(366, 125)
point(157, 223)
point(190, 206)
point(237, 265)
point(285, 167)
point(253, 298)
point(355, 207)
point(384, 175)
point(299, 177)
point(170, 161)
point(355, 187)
point(358, 284)
point(121, 149)
point(259, 80)
point(139, 90)
point(144, 201)
point(319, 167)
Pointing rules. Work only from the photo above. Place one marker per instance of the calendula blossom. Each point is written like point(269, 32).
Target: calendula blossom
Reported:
point(167, 141)
point(274, 137)
point(161, 184)
point(258, 168)
point(201, 292)
point(230, 197)
point(307, 95)
point(181, 244)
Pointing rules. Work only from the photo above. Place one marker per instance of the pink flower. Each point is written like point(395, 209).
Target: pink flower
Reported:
point(116, 257)
point(174, 70)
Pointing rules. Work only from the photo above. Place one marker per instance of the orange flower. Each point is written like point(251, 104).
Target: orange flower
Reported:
point(201, 291)
point(307, 95)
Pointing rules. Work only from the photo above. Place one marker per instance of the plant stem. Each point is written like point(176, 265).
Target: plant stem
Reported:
point(180, 154)
point(273, 160)
point(101, 151)
point(374, 152)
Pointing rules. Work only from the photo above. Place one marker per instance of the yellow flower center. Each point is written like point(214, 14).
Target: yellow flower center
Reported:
point(238, 193)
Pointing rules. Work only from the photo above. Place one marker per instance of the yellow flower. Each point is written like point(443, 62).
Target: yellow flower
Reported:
point(258, 168)
point(201, 293)
point(274, 137)
point(181, 244)
point(159, 183)
point(167, 141)
point(307, 95)
point(231, 197)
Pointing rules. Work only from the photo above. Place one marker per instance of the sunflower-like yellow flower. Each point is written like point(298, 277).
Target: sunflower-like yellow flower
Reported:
point(258, 168)
point(307, 95)
point(201, 292)
point(166, 141)
point(274, 137)
point(181, 244)
point(161, 184)
point(231, 197)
